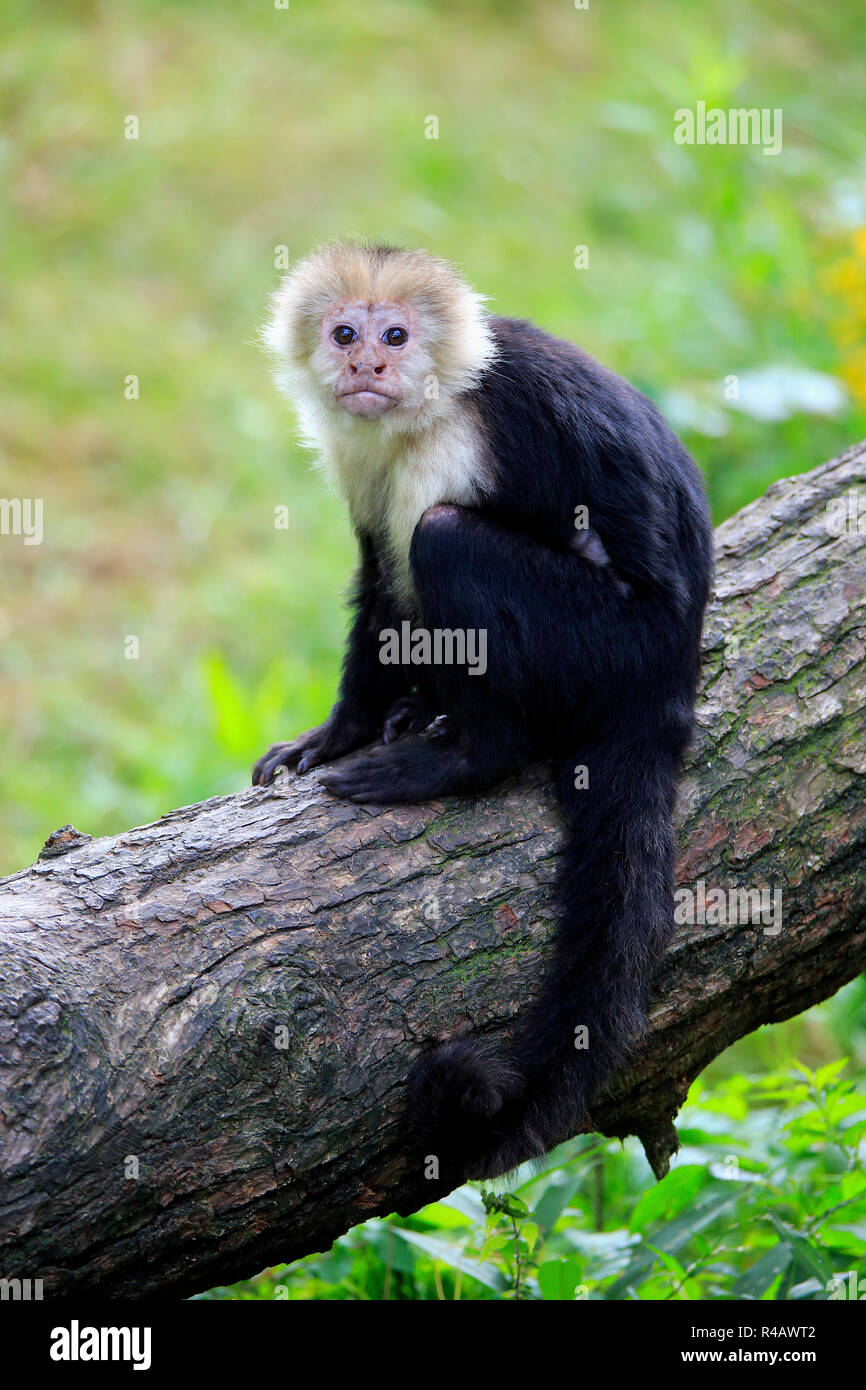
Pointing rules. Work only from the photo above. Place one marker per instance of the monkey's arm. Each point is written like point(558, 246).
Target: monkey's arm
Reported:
point(369, 690)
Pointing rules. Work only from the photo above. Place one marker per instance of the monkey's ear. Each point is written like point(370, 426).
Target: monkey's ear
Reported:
point(290, 332)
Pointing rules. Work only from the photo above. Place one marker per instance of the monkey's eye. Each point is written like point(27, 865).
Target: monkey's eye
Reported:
point(395, 337)
point(344, 335)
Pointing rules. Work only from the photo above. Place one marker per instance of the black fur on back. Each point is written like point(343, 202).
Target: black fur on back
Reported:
point(597, 674)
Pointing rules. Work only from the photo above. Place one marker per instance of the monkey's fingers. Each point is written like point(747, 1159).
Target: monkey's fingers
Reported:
point(294, 754)
point(306, 751)
point(397, 718)
point(278, 755)
point(438, 728)
point(408, 715)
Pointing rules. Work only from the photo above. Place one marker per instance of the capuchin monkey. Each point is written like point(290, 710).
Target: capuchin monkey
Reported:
point(501, 480)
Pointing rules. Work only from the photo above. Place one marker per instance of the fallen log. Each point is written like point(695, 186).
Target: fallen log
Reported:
point(206, 1024)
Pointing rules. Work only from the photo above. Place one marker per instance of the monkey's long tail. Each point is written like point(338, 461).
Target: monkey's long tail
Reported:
point(482, 1110)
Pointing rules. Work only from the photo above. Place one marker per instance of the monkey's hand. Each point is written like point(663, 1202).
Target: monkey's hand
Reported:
point(408, 715)
point(338, 735)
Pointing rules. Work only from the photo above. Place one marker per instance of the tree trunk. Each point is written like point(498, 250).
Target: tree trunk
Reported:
point(206, 1023)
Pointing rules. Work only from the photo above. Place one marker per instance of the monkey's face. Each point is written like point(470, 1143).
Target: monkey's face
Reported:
point(370, 336)
point(369, 355)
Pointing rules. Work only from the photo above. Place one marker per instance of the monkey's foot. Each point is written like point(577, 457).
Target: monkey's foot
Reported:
point(417, 771)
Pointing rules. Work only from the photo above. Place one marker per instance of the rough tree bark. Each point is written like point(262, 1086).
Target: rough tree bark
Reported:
point(147, 978)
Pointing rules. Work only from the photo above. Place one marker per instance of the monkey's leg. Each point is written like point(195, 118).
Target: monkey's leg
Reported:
point(559, 635)
point(478, 578)
point(368, 689)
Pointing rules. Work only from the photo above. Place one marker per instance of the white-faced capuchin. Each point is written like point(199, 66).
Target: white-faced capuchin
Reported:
point(501, 480)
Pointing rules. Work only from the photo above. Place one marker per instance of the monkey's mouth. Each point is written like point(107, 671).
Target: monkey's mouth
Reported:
point(365, 401)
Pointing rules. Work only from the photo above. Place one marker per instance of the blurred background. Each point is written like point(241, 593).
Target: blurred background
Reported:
point(261, 131)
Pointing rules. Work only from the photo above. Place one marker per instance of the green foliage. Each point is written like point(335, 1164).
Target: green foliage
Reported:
point(263, 128)
point(767, 1200)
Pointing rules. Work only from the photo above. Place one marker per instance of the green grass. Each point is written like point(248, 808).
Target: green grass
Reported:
point(261, 128)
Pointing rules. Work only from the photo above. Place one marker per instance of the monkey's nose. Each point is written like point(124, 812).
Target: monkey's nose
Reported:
point(366, 368)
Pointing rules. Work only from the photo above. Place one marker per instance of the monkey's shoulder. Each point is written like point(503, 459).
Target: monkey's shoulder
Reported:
point(546, 388)
point(524, 346)
point(536, 376)
point(544, 402)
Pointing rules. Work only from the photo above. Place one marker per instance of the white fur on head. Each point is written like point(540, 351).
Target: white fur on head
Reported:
point(455, 339)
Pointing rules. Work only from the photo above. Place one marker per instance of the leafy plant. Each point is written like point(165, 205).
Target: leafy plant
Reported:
point(766, 1201)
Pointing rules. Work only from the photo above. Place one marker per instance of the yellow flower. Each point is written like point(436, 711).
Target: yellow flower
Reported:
point(846, 281)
